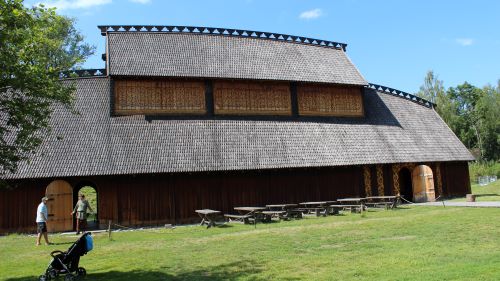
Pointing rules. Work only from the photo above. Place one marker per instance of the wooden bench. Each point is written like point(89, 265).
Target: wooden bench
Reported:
point(352, 208)
point(388, 202)
point(386, 205)
point(292, 214)
point(239, 218)
point(208, 217)
point(314, 211)
point(269, 215)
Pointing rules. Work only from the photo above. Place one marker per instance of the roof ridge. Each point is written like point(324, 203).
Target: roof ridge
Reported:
point(224, 32)
point(401, 94)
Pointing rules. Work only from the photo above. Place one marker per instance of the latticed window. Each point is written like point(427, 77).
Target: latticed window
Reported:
point(252, 98)
point(329, 100)
point(166, 96)
point(234, 97)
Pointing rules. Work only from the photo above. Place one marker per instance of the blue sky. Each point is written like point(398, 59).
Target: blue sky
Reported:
point(393, 43)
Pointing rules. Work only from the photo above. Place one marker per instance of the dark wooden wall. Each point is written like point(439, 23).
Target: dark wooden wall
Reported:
point(172, 198)
point(155, 199)
point(18, 206)
point(456, 180)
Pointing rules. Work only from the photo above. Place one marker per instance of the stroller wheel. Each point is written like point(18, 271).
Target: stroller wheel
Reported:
point(81, 271)
point(42, 278)
point(69, 277)
point(51, 274)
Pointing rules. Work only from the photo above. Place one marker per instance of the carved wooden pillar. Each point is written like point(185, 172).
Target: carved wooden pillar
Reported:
point(368, 181)
point(380, 180)
point(395, 178)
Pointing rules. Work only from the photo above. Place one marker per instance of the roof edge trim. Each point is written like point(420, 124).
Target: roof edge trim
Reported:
point(401, 94)
point(105, 29)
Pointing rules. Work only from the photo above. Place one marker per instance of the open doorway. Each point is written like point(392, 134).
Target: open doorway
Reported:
point(405, 184)
point(90, 193)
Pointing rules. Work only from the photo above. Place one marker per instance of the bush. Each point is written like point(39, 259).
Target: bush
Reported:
point(478, 169)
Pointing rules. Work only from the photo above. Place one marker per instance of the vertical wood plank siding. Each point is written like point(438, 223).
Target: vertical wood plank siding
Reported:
point(18, 207)
point(388, 181)
point(156, 199)
point(456, 180)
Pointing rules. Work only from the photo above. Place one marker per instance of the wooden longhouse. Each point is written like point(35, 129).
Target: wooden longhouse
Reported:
point(185, 118)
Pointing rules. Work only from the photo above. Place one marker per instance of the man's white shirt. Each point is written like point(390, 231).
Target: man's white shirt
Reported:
point(42, 208)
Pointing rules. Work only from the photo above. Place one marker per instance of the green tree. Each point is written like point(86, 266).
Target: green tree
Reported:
point(36, 45)
point(478, 124)
point(432, 87)
point(488, 114)
point(466, 96)
point(434, 91)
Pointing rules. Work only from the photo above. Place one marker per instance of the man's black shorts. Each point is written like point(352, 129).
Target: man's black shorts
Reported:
point(42, 227)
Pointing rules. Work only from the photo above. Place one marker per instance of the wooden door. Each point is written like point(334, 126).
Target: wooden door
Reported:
point(59, 205)
point(423, 184)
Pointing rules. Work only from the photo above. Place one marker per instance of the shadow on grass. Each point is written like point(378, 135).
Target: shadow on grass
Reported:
point(488, 194)
point(401, 208)
point(230, 271)
point(61, 243)
point(223, 225)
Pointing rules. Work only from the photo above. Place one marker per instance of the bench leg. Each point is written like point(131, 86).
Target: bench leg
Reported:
point(267, 218)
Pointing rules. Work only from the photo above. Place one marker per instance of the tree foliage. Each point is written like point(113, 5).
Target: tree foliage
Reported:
point(434, 91)
point(488, 114)
point(472, 113)
point(36, 45)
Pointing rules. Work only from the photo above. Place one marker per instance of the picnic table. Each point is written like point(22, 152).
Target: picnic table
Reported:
point(208, 217)
point(385, 201)
point(317, 208)
point(245, 214)
point(287, 210)
point(354, 204)
point(281, 206)
point(270, 214)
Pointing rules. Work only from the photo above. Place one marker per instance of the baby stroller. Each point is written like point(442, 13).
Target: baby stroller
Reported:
point(67, 262)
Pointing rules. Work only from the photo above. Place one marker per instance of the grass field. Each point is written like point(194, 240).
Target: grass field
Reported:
point(411, 243)
point(490, 192)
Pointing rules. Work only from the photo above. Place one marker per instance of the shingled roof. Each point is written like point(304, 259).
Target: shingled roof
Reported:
point(394, 130)
point(166, 54)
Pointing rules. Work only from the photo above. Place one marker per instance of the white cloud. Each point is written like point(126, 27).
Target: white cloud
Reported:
point(75, 4)
point(311, 14)
point(141, 1)
point(464, 41)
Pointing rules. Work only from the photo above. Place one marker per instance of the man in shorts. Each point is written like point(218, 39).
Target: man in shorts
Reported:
point(42, 215)
point(81, 213)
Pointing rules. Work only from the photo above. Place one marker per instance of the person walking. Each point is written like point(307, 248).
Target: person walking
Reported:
point(42, 215)
point(81, 213)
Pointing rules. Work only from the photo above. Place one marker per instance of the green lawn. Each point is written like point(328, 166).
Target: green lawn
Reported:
point(490, 192)
point(411, 243)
